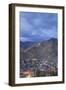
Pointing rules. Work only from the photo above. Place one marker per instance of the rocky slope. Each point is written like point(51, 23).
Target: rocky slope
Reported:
point(40, 57)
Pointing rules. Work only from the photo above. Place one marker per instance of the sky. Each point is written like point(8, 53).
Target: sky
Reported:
point(38, 26)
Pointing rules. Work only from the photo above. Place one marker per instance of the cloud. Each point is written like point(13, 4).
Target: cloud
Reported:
point(50, 33)
point(34, 33)
point(25, 39)
point(24, 24)
point(38, 26)
point(37, 21)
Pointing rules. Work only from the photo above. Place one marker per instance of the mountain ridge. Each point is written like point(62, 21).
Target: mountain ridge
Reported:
point(30, 44)
point(41, 54)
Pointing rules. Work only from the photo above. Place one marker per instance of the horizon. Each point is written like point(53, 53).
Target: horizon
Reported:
point(39, 40)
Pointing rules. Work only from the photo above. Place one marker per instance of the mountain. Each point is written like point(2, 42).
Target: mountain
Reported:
point(26, 45)
point(40, 56)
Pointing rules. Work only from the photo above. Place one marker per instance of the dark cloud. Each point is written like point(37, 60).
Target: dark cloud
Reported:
point(37, 26)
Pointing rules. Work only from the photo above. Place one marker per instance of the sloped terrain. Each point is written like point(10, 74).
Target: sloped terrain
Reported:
point(39, 58)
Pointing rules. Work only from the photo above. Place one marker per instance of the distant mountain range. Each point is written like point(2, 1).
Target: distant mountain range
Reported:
point(26, 45)
point(39, 56)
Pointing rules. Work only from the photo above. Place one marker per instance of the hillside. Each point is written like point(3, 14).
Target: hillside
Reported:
point(40, 58)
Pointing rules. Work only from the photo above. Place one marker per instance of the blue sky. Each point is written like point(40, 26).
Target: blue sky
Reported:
point(38, 26)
